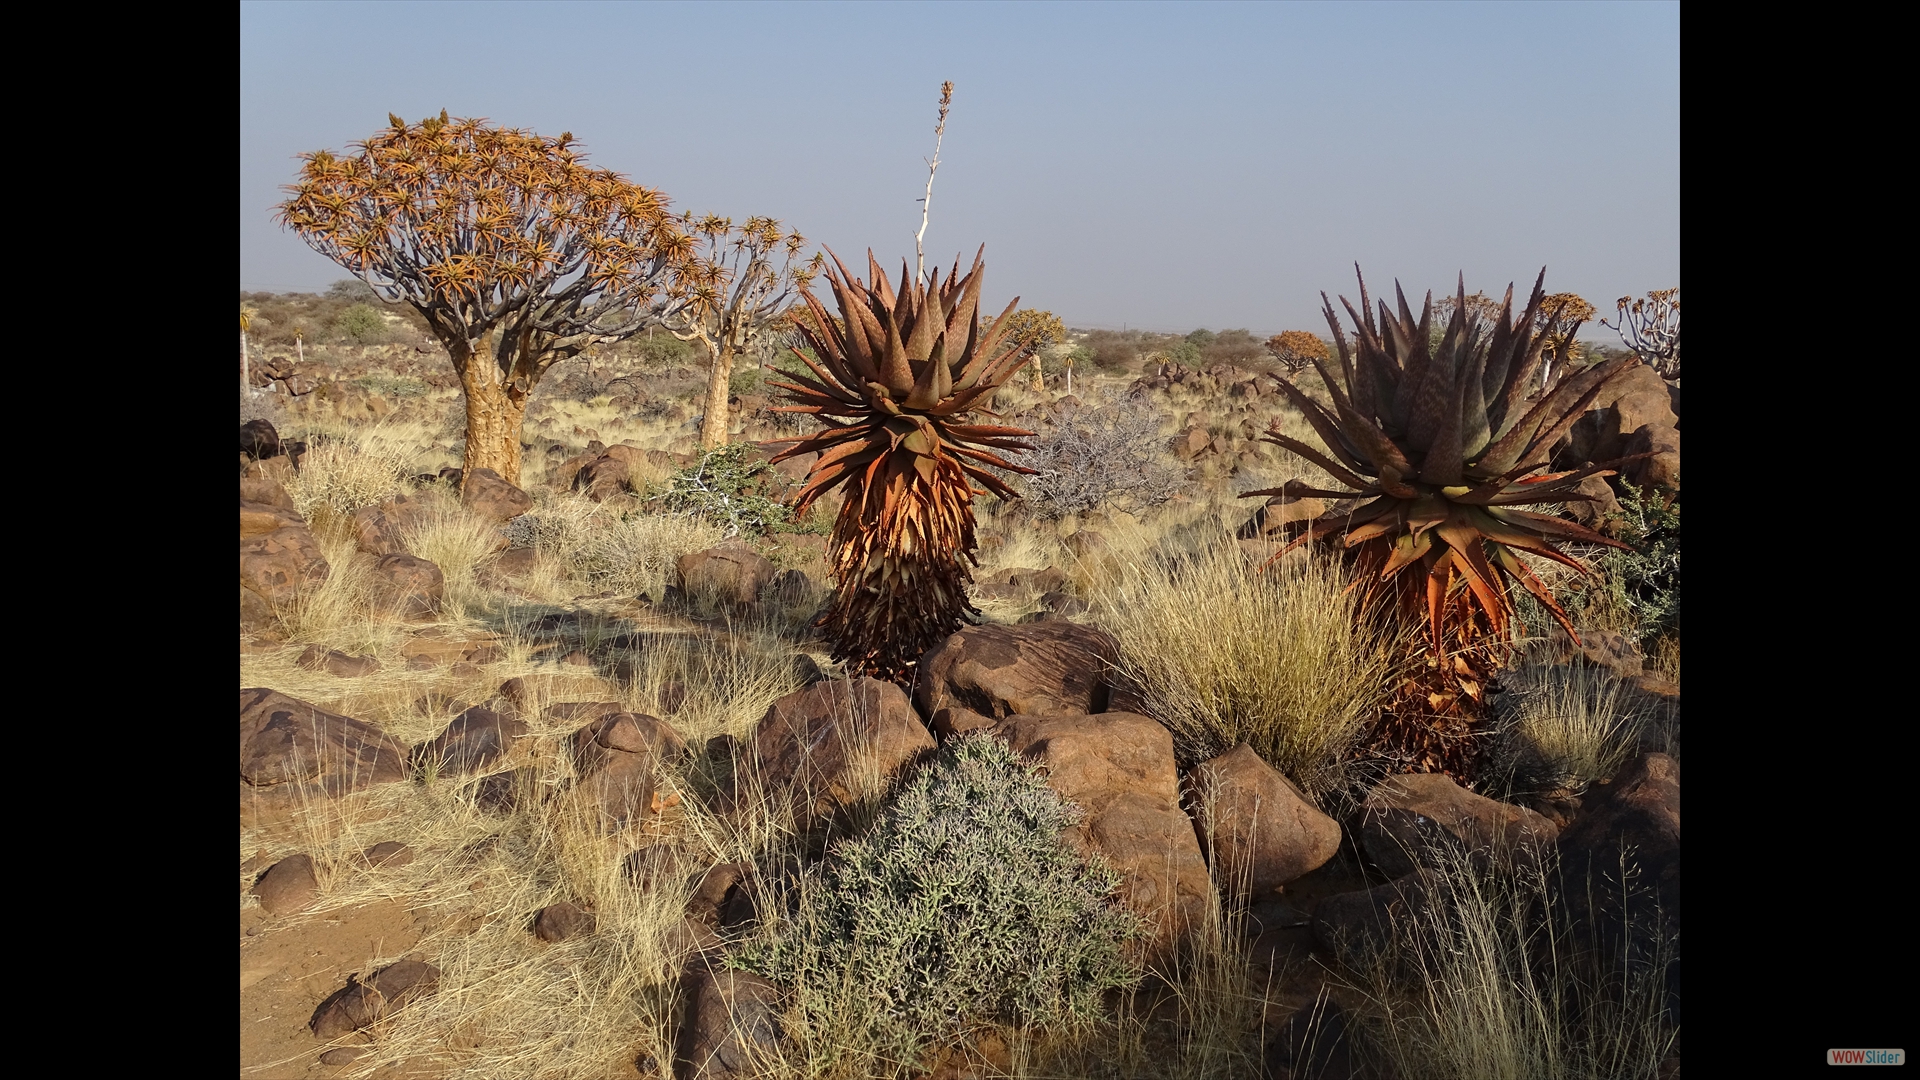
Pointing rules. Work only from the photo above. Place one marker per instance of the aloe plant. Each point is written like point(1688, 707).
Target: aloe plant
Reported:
point(1442, 449)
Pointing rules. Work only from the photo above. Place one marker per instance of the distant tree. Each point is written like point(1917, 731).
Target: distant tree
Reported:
point(1037, 330)
point(516, 254)
point(1651, 328)
point(737, 282)
point(1560, 317)
point(1295, 349)
point(246, 374)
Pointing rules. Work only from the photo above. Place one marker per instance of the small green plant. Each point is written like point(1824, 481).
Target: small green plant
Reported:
point(725, 488)
point(360, 324)
point(960, 906)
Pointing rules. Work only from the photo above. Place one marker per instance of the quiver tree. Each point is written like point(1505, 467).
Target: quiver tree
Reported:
point(1561, 315)
point(1295, 349)
point(734, 288)
point(1651, 328)
point(517, 254)
point(1037, 331)
point(1442, 446)
point(897, 375)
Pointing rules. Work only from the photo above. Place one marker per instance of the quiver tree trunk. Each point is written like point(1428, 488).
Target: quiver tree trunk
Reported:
point(496, 413)
point(714, 428)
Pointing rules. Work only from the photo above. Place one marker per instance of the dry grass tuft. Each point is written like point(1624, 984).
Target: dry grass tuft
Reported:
point(1225, 653)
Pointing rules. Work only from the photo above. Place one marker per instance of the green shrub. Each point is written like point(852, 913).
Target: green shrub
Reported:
point(961, 905)
point(725, 488)
point(1640, 585)
point(360, 324)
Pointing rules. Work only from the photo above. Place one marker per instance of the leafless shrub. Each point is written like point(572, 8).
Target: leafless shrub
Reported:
point(1100, 455)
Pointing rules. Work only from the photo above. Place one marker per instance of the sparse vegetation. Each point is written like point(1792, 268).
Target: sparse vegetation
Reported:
point(961, 905)
point(1226, 654)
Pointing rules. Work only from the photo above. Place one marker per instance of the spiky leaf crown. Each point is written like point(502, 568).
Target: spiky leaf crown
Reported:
point(1442, 445)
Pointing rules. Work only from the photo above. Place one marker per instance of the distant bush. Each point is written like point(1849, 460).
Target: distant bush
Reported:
point(726, 489)
point(1089, 457)
point(352, 291)
point(960, 905)
point(360, 324)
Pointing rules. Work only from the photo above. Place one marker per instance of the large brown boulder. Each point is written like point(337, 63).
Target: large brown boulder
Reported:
point(1035, 669)
point(1259, 830)
point(292, 750)
point(731, 573)
point(258, 439)
point(1620, 862)
point(406, 585)
point(279, 557)
point(1637, 397)
point(731, 1026)
point(617, 758)
point(826, 748)
point(1279, 511)
point(487, 493)
point(1119, 768)
point(1404, 818)
point(1662, 470)
point(376, 532)
point(362, 1003)
point(1385, 922)
point(474, 740)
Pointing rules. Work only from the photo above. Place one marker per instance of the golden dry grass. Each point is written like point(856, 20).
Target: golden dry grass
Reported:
point(1271, 658)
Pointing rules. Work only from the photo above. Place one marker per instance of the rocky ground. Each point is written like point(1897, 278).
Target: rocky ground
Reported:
point(522, 764)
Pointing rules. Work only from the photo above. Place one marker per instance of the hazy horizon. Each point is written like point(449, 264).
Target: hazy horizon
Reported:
point(1163, 167)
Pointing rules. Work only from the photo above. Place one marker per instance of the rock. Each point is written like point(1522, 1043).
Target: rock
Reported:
point(292, 749)
point(288, 885)
point(1662, 470)
point(1601, 502)
point(376, 532)
point(1360, 927)
point(723, 897)
point(1119, 768)
point(827, 747)
point(1603, 649)
point(258, 520)
point(361, 1004)
point(1279, 511)
point(1635, 819)
point(616, 757)
point(690, 939)
point(343, 1055)
point(1637, 397)
point(266, 491)
point(1315, 1045)
point(487, 494)
point(259, 440)
point(558, 922)
point(406, 585)
point(388, 853)
point(474, 740)
point(1035, 669)
point(1191, 443)
point(335, 662)
point(465, 670)
point(503, 792)
point(516, 562)
point(955, 719)
point(1260, 831)
point(730, 573)
point(731, 1024)
point(277, 566)
point(486, 652)
point(1404, 816)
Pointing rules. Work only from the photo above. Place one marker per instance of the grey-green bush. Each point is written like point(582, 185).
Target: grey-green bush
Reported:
point(960, 905)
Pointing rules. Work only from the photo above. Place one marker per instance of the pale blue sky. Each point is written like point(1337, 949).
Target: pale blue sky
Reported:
point(1165, 166)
